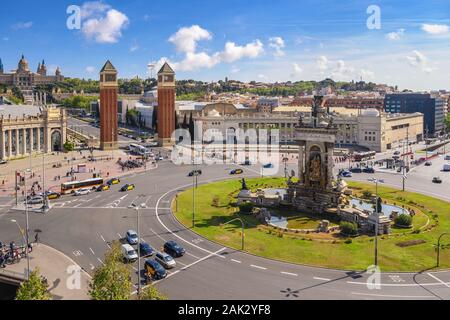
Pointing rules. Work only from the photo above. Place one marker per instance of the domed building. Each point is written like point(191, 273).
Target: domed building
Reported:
point(26, 80)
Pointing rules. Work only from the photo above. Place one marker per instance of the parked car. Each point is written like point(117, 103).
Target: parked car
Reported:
point(154, 270)
point(165, 260)
point(104, 187)
point(236, 171)
point(128, 187)
point(174, 249)
point(347, 174)
point(113, 181)
point(3, 162)
point(437, 180)
point(356, 170)
point(129, 254)
point(195, 172)
point(428, 164)
point(146, 250)
point(82, 192)
point(132, 237)
point(268, 166)
point(447, 158)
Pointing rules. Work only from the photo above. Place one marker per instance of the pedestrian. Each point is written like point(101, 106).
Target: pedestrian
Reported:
point(36, 238)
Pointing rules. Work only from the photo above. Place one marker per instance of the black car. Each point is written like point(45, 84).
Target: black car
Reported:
point(356, 170)
point(154, 270)
point(146, 250)
point(174, 249)
point(369, 170)
point(428, 164)
point(437, 180)
point(246, 163)
point(195, 173)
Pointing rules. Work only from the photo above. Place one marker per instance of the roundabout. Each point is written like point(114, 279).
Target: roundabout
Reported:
point(404, 249)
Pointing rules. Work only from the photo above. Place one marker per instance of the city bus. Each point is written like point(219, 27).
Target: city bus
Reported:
point(363, 156)
point(71, 187)
point(139, 150)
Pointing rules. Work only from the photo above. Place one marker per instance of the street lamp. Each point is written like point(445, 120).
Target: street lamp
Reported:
point(25, 238)
point(136, 208)
point(285, 160)
point(242, 223)
point(439, 248)
point(377, 181)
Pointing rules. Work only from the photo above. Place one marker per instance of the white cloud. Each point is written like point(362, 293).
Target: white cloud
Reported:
point(23, 25)
point(322, 64)
point(235, 70)
point(93, 9)
point(277, 43)
point(90, 69)
point(397, 35)
point(367, 75)
point(102, 23)
point(342, 71)
point(420, 61)
point(232, 52)
point(263, 77)
point(134, 47)
point(435, 29)
point(186, 38)
point(297, 70)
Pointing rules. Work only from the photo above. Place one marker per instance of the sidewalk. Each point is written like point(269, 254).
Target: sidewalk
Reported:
point(102, 167)
point(53, 265)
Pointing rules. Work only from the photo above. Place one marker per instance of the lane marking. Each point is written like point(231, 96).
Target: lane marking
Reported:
point(289, 274)
point(404, 284)
point(93, 253)
point(258, 267)
point(100, 260)
point(119, 235)
point(164, 240)
point(437, 279)
point(237, 261)
point(392, 296)
point(321, 279)
point(101, 236)
point(92, 266)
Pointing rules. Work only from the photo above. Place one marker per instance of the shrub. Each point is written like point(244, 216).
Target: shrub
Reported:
point(349, 228)
point(215, 202)
point(69, 146)
point(246, 207)
point(403, 220)
point(366, 194)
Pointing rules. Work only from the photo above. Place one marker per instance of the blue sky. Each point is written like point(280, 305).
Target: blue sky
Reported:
point(246, 40)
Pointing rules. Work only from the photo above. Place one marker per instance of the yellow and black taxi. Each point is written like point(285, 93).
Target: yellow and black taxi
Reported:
point(103, 187)
point(51, 195)
point(153, 270)
point(236, 171)
point(113, 181)
point(128, 187)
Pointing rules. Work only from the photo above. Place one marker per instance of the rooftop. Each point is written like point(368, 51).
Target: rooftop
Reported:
point(17, 111)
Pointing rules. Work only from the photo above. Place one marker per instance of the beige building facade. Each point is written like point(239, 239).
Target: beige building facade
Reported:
point(25, 130)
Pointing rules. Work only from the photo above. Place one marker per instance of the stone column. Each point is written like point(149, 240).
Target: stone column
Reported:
point(24, 141)
point(2, 145)
point(301, 163)
point(17, 143)
point(38, 139)
point(10, 143)
point(31, 140)
point(330, 165)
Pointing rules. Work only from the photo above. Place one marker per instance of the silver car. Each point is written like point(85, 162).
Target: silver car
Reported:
point(165, 260)
point(82, 192)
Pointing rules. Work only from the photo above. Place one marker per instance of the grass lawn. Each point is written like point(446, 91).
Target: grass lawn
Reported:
point(215, 206)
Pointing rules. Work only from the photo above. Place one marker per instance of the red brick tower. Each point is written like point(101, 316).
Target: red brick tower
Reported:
point(108, 107)
point(166, 105)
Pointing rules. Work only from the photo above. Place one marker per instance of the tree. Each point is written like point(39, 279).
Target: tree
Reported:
point(447, 122)
point(151, 293)
point(69, 146)
point(36, 288)
point(349, 228)
point(403, 220)
point(192, 127)
point(185, 124)
point(112, 281)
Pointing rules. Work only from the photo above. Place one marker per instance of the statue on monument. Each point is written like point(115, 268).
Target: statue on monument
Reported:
point(244, 184)
point(315, 168)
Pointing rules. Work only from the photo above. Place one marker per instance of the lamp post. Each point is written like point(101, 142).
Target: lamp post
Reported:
point(136, 208)
point(243, 235)
point(439, 248)
point(377, 181)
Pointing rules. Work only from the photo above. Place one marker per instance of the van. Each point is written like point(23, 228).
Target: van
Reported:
point(129, 254)
point(446, 167)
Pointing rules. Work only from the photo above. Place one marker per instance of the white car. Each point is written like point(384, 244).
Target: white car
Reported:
point(82, 192)
point(165, 260)
point(129, 254)
point(36, 200)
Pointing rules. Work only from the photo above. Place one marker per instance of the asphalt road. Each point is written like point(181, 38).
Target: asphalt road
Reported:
point(83, 228)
